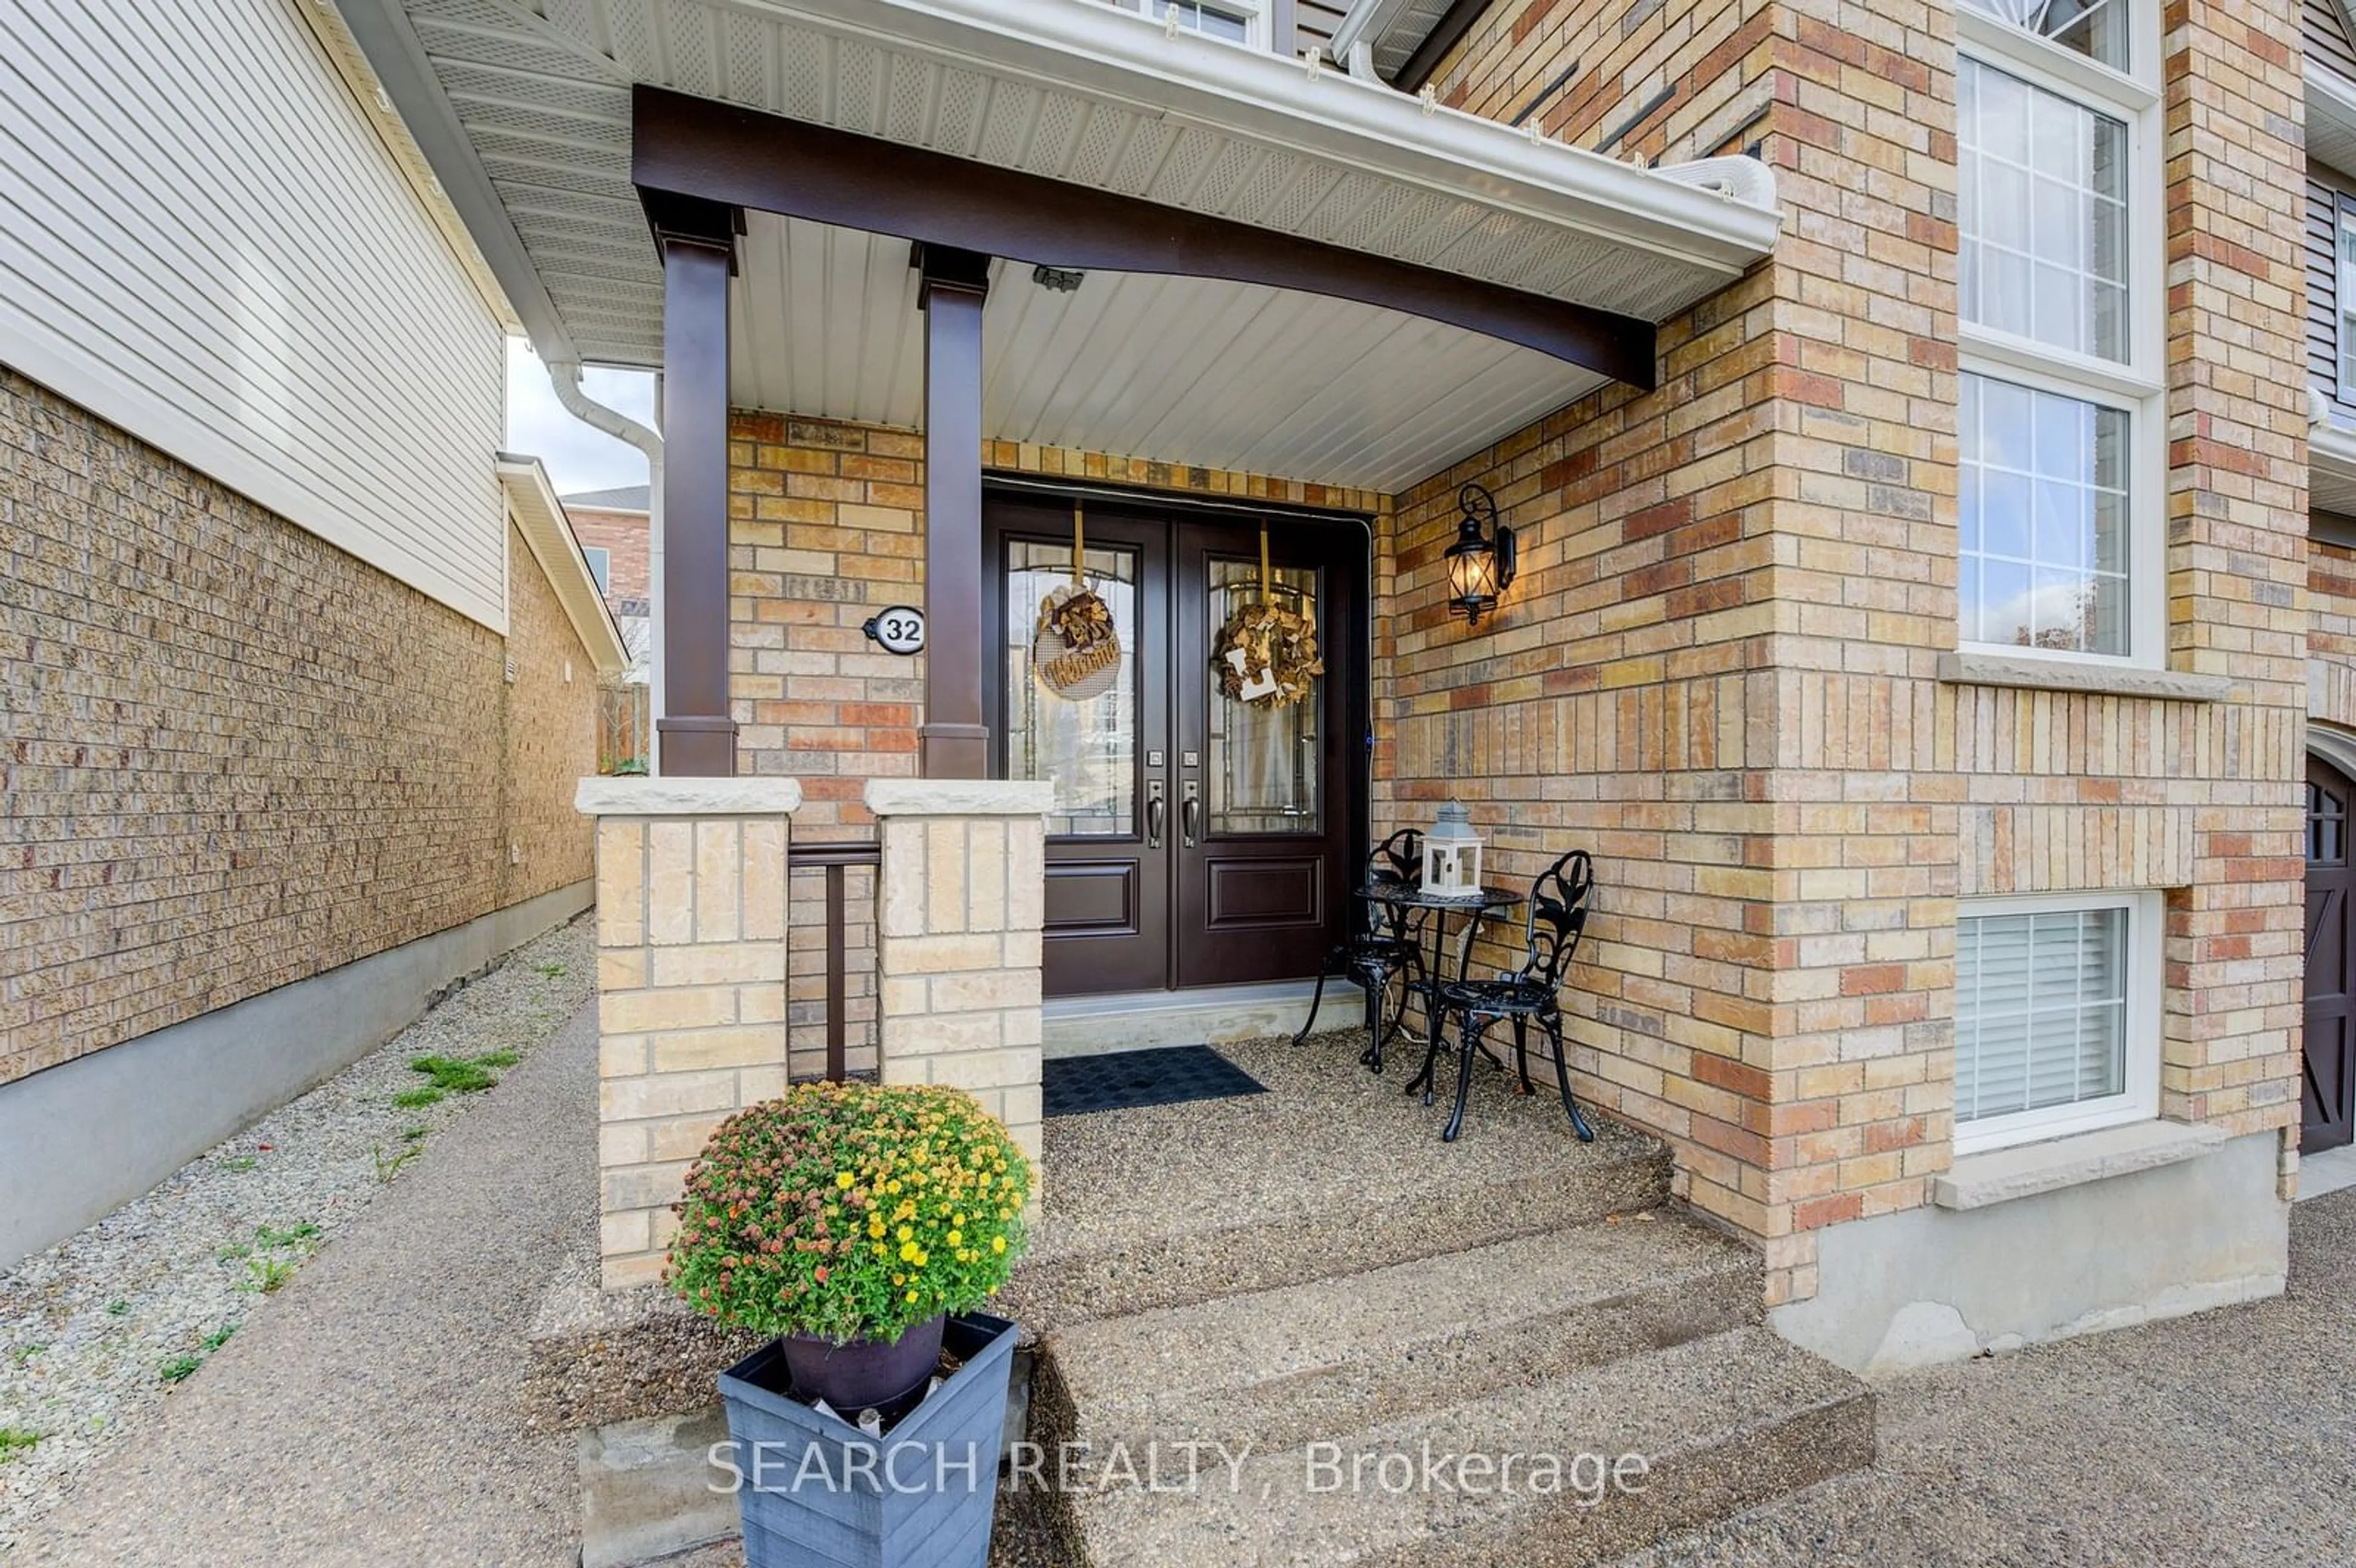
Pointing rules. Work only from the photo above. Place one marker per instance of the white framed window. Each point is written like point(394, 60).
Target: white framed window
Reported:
point(600, 566)
point(2057, 1016)
point(2062, 433)
point(1233, 21)
point(2346, 212)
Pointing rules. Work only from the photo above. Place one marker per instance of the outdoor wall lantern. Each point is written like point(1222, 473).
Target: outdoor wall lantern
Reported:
point(1481, 561)
point(1451, 854)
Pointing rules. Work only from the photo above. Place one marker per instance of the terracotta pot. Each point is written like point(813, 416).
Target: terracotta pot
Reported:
point(864, 1374)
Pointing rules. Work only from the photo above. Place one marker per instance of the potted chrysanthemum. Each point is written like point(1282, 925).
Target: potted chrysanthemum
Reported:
point(863, 1226)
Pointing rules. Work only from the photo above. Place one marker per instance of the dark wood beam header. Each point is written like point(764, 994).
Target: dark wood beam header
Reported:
point(736, 158)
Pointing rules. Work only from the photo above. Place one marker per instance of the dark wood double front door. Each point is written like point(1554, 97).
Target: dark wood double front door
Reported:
point(2328, 1104)
point(1195, 840)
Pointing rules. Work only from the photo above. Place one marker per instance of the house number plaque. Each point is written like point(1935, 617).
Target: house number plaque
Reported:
point(897, 629)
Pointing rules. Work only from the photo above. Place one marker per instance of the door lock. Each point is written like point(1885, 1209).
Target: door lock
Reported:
point(1156, 808)
point(1190, 812)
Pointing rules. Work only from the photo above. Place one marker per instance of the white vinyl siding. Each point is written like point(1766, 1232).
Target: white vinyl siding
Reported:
point(2056, 1016)
point(203, 240)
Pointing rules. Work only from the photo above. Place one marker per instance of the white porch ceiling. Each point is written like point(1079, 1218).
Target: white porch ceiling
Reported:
point(522, 107)
point(1178, 369)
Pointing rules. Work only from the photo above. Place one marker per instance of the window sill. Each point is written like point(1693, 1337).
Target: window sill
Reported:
point(2057, 675)
point(1999, 1176)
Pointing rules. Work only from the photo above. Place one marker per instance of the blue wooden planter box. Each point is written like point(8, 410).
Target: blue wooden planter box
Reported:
point(819, 1491)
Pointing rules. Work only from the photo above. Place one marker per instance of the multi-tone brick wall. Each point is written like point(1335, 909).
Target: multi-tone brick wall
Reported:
point(827, 527)
point(1648, 78)
point(2237, 559)
point(1719, 670)
point(1748, 578)
point(2331, 634)
point(230, 755)
point(624, 537)
point(550, 721)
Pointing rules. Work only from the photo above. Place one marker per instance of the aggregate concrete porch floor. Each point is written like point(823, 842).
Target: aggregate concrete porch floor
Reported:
point(1328, 1133)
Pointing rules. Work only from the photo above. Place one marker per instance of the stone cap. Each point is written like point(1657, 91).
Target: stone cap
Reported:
point(1999, 1176)
point(959, 797)
point(2037, 674)
point(688, 797)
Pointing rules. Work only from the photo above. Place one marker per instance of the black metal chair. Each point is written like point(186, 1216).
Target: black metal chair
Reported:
point(1388, 941)
point(1530, 992)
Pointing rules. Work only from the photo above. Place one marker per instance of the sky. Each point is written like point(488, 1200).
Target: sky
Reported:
point(578, 457)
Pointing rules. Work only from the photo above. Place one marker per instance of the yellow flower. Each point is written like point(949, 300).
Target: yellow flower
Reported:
point(908, 1252)
point(908, 1233)
point(997, 1244)
point(911, 1296)
point(843, 1179)
point(956, 1237)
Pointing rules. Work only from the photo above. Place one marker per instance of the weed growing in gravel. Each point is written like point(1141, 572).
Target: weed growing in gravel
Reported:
point(304, 1234)
point(230, 1251)
point(265, 1276)
point(218, 1337)
point(25, 1353)
point(498, 1059)
point(388, 1166)
point(16, 1440)
point(242, 1162)
point(118, 1309)
point(417, 1099)
point(455, 1075)
point(411, 1135)
point(179, 1367)
point(553, 971)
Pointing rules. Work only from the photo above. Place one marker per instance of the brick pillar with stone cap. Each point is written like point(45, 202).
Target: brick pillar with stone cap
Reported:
point(960, 901)
point(691, 987)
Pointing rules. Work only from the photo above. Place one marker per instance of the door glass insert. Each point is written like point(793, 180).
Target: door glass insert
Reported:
point(1088, 749)
point(1261, 772)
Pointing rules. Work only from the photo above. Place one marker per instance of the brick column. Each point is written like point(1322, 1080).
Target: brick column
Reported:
point(960, 901)
point(692, 986)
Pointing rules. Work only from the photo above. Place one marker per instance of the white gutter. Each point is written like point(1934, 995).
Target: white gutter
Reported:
point(564, 375)
point(1124, 57)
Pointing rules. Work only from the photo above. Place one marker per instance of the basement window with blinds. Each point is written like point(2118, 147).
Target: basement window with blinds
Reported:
point(2057, 1016)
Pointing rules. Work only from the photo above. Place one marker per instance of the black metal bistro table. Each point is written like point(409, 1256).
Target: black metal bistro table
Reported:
point(1480, 903)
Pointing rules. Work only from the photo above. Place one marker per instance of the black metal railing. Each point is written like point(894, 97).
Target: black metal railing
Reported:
point(834, 861)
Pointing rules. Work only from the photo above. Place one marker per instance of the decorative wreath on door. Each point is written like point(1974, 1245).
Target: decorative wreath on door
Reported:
point(1075, 651)
point(1267, 655)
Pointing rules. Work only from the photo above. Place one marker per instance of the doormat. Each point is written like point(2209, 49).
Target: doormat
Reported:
point(1124, 1079)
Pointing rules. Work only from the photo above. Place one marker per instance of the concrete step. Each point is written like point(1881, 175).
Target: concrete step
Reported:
point(1720, 1423)
point(1238, 1240)
point(1283, 1367)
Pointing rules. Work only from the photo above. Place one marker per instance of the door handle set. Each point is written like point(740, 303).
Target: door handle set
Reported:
point(1156, 809)
point(1190, 813)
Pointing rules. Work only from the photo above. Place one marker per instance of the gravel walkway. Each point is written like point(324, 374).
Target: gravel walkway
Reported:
point(118, 1326)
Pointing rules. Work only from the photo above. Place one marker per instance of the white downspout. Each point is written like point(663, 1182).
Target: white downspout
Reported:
point(565, 376)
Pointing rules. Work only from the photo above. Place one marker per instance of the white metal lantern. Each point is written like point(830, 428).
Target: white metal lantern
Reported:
point(1451, 853)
